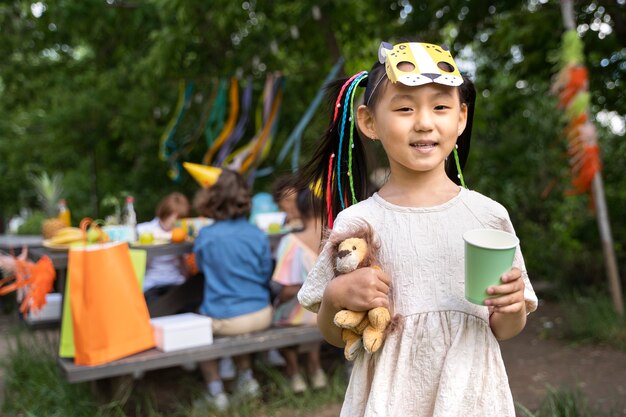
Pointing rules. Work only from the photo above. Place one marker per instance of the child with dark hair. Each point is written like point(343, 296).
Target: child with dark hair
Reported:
point(295, 256)
point(441, 357)
point(284, 194)
point(236, 261)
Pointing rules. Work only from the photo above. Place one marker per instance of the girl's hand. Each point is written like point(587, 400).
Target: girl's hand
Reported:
point(509, 296)
point(359, 290)
point(507, 309)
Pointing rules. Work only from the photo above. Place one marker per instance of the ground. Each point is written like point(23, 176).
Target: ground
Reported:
point(535, 360)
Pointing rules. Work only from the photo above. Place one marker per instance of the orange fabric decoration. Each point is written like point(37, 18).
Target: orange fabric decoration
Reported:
point(576, 77)
point(580, 133)
point(36, 278)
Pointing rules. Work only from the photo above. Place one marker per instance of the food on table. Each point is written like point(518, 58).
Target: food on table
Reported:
point(178, 235)
point(66, 235)
point(49, 190)
point(146, 238)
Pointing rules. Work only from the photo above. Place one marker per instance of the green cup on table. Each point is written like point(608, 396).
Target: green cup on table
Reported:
point(488, 254)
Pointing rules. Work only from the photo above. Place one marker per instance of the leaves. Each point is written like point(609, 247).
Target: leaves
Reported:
point(87, 89)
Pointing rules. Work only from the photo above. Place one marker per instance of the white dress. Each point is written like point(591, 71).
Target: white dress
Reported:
point(443, 359)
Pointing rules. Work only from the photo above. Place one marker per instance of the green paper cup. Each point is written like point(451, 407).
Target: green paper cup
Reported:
point(488, 254)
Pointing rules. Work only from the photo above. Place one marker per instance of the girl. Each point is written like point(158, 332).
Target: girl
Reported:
point(236, 261)
point(167, 287)
point(442, 357)
point(295, 255)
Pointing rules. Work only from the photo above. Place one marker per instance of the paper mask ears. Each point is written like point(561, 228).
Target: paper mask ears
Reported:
point(206, 175)
point(425, 63)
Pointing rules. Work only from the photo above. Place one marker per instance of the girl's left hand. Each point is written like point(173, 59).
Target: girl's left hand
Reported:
point(508, 297)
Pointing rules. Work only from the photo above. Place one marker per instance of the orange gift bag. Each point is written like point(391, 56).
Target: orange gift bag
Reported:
point(109, 313)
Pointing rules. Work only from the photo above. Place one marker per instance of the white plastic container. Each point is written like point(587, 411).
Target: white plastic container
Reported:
point(182, 331)
point(51, 311)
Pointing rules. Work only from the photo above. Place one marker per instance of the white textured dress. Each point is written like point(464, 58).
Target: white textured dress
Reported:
point(443, 359)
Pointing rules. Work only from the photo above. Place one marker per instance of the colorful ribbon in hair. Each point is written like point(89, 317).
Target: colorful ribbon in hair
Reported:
point(347, 106)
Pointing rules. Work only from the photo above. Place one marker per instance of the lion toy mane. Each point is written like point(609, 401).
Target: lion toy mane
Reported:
point(352, 250)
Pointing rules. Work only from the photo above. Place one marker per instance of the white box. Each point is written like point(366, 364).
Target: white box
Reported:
point(182, 331)
point(51, 311)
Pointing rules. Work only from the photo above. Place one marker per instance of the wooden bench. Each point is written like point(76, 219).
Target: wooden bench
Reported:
point(272, 338)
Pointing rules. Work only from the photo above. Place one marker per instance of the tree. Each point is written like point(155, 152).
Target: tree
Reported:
point(88, 88)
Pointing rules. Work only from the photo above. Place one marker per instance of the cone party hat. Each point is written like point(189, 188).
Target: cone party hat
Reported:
point(204, 174)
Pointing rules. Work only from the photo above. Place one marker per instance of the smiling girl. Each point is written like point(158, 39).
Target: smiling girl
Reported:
point(442, 357)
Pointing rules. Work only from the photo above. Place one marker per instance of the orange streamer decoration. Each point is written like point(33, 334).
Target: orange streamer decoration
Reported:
point(582, 141)
point(36, 278)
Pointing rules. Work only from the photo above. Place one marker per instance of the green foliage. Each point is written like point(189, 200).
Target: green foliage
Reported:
point(87, 89)
point(564, 403)
point(32, 224)
point(34, 386)
point(590, 318)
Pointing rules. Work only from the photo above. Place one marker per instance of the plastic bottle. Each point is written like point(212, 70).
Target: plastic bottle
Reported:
point(64, 213)
point(129, 218)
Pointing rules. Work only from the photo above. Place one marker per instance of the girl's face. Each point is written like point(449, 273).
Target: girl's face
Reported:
point(417, 126)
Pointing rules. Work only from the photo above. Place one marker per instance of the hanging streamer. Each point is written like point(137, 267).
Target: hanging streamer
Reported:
point(295, 137)
point(571, 86)
point(230, 123)
point(168, 147)
point(204, 119)
point(254, 172)
point(240, 129)
point(215, 124)
point(235, 159)
point(253, 152)
point(276, 100)
point(167, 144)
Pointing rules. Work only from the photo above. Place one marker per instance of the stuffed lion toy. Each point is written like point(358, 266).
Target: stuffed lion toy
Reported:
point(353, 250)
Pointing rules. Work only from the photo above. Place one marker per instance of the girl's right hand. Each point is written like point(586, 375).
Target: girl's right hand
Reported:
point(359, 290)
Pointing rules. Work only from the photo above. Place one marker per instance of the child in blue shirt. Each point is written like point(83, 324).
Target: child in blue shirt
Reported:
point(236, 261)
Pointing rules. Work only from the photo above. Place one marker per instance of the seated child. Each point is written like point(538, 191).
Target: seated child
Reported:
point(295, 257)
point(166, 287)
point(284, 194)
point(236, 261)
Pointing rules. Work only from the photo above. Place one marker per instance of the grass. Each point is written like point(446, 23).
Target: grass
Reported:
point(34, 387)
point(564, 403)
point(591, 319)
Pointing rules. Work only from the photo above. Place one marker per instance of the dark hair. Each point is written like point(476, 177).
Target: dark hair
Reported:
point(304, 203)
point(352, 184)
point(281, 186)
point(173, 203)
point(228, 198)
point(467, 95)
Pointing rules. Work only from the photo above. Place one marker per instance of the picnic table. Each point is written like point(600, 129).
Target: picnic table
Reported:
point(121, 370)
point(9, 243)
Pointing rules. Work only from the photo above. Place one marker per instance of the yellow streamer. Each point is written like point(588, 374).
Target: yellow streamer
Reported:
point(230, 123)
